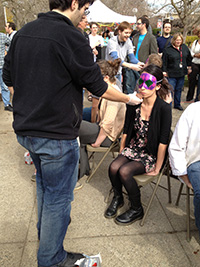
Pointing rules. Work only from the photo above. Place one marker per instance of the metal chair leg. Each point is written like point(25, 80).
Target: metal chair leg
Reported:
point(91, 175)
point(169, 185)
point(151, 199)
point(188, 212)
point(179, 194)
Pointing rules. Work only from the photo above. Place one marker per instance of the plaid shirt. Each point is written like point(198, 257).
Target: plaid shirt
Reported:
point(4, 41)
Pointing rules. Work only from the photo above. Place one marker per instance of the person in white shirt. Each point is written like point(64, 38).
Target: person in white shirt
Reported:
point(95, 39)
point(120, 46)
point(195, 52)
point(184, 153)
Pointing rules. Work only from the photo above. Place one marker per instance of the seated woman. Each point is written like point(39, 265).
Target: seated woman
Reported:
point(110, 122)
point(143, 145)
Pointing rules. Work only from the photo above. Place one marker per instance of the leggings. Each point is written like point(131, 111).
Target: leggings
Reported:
point(121, 172)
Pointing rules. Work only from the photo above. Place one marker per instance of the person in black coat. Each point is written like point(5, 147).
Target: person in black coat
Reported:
point(143, 145)
point(176, 64)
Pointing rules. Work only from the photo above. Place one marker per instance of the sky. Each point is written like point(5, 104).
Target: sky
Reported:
point(157, 3)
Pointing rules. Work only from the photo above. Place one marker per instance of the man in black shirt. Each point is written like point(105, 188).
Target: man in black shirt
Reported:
point(164, 40)
point(48, 64)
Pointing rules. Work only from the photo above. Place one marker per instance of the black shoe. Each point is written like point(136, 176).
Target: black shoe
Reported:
point(116, 203)
point(179, 108)
point(189, 99)
point(9, 108)
point(71, 259)
point(130, 216)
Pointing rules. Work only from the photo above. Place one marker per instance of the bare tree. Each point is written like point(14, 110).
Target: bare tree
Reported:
point(187, 10)
point(24, 11)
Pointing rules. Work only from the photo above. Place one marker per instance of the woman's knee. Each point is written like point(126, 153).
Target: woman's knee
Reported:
point(125, 173)
point(115, 165)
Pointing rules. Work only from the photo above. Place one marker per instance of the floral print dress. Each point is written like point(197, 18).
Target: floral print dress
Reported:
point(136, 150)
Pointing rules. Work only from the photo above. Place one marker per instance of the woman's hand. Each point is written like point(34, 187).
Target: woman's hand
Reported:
point(95, 145)
point(153, 173)
point(122, 143)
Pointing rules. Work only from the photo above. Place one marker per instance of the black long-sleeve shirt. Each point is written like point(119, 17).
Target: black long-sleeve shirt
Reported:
point(48, 64)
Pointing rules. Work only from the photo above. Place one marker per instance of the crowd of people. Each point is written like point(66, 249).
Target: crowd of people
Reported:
point(133, 89)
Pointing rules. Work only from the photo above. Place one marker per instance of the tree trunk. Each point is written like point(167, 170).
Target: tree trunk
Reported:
point(185, 31)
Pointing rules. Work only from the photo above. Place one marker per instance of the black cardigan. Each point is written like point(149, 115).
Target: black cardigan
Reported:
point(159, 125)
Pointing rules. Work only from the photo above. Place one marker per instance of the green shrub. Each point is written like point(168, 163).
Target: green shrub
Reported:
point(155, 30)
point(190, 39)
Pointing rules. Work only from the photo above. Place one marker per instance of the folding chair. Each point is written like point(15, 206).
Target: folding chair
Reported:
point(188, 235)
point(144, 179)
point(114, 147)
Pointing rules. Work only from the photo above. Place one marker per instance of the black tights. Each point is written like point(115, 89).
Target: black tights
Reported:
point(121, 172)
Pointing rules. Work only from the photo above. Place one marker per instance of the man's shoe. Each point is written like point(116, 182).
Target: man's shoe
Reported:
point(130, 216)
point(116, 203)
point(33, 177)
point(71, 259)
point(179, 108)
point(9, 108)
point(78, 186)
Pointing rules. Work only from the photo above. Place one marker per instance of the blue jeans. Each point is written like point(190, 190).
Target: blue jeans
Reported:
point(177, 84)
point(4, 91)
point(56, 162)
point(194, 177)
point(87, 114)
point(131, 79)
point(119, 77)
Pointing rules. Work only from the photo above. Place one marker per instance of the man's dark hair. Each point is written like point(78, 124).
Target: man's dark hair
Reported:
point(166, 22)
point(144, 21)
point(62, 5)
point(12, 25)
point(93, 23)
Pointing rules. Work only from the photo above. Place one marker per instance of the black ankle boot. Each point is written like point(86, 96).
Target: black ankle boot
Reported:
point(116, 203)
point(130, 216)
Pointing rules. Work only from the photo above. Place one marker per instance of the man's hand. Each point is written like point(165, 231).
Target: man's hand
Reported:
point(95, 52)
point(197, 55)
point(141, 64)
point(165, 74)
point(136, 67)
point(134, 99)
point(186, 180)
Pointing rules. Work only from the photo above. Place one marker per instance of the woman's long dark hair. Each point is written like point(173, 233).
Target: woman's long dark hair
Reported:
point(157, 72)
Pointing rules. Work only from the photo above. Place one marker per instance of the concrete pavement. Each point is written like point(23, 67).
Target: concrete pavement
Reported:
point(160, 242)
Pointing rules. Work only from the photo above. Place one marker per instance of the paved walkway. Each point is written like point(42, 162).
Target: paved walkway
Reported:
point(160, 242)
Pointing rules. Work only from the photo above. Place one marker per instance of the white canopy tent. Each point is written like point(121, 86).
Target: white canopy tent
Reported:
point(101, 13)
